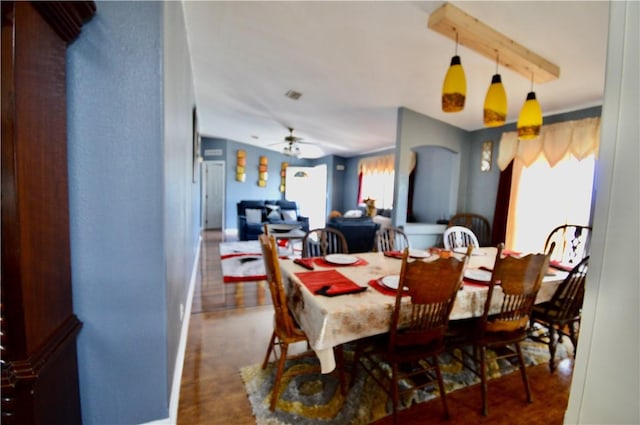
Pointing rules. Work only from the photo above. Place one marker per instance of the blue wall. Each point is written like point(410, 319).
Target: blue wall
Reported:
point(130, 183)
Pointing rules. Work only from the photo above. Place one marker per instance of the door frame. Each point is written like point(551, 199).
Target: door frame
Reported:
point(203, 192)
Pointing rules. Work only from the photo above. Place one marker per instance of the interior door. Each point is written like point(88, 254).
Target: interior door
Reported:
point(213, 194)
point(308, 187)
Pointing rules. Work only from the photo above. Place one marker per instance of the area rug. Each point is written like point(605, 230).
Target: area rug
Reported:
point(311, 398)
point(241, 261)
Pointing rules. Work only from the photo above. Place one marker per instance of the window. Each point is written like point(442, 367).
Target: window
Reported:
point(552, 181)
point(376, 180)
point(547, 197)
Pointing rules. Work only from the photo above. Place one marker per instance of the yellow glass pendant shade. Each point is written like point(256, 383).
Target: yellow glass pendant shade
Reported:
point(530, 119)
point(454, 88)
point(495, 103)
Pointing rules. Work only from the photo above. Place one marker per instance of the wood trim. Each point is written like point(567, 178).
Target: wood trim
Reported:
point(66, 18)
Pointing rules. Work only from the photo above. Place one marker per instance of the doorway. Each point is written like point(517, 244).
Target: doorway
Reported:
point(308, 187)
point(213, 182)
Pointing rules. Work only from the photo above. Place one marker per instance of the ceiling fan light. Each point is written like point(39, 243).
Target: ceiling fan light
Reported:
point(495, 103)
point(454, 87)
point(530, 118)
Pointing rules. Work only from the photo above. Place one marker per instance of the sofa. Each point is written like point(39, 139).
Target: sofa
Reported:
point(360, 232)
point(252, 215)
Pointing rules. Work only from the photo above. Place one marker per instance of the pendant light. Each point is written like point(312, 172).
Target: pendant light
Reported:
point(495, 103)
point(530, 119)
point(454, 88)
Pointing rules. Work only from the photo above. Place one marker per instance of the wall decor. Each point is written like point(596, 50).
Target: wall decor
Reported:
point(241, 163)
point(263, 174)
point(283, 176)
point(486, 157)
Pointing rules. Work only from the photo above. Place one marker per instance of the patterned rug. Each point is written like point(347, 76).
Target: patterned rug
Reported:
point(241, 261)
point(311, 398)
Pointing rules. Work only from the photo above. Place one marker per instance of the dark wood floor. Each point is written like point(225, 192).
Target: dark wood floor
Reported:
point(230, 327)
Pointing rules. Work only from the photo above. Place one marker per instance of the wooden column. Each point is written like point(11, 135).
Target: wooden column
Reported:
point(39, 328)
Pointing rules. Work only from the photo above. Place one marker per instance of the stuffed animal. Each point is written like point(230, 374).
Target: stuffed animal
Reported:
point(371, 207)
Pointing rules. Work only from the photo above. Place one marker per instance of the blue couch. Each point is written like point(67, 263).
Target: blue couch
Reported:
point(252, 215)
point(360, 232)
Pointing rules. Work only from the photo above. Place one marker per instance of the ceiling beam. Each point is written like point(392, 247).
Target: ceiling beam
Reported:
point(478, 36)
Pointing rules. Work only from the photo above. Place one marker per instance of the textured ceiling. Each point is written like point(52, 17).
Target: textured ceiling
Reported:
point(356, 62)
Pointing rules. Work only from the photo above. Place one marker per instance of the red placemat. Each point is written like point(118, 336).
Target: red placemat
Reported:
point(393, 254)
point(322, 263)
point(474, 283)
point(557, 265)
point(337, 283)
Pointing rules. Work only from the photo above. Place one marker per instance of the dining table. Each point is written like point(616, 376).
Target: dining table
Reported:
point(336, 302)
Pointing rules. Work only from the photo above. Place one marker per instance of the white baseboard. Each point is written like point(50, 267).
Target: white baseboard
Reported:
point(174, 398)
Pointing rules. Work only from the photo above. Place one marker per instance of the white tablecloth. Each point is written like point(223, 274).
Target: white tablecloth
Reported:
point(330, 321)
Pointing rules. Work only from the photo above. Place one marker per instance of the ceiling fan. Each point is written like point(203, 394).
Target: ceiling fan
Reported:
point(292, 145)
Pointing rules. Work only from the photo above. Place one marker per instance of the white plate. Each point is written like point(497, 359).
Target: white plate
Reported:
point(478, 275)
point(283, 228)
point(391, 281)
point(419, 253)
point(340, 259)
point(463, 250)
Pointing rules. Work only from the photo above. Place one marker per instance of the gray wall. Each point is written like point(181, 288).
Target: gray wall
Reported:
point(132, 206)
point(605, 387)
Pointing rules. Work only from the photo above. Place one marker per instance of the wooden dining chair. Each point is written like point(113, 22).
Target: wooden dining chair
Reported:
point(512, 291)
point(416, 336)
point(286, 331)
point(459, 237)
point(324, 241)
point(561, 312)
point(478, 224)
point(571, 243)
point(391, 239)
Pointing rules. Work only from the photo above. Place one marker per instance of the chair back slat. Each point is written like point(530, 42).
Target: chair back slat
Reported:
point(459, 237)
point(572, 243)
point(566, 302)
point(519, 280)
point(321, 242)
point(478, 224)
point(269, 249)
point(391, 239)
point(432, 287)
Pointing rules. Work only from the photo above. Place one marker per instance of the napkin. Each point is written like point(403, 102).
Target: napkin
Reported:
point(329, 283)
point(393, 254)
point(307, 263)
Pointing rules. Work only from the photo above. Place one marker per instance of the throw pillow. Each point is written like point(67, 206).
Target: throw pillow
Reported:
point(289, 215)
point(353, 213)
point(253, 215)
point(274, 214)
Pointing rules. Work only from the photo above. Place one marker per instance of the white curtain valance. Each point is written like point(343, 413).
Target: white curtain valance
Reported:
point(579, 138)
point(377, 164)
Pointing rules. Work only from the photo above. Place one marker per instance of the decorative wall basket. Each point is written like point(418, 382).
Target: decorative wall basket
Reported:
point(263, 175)
point(283, 176)
point(241, 163)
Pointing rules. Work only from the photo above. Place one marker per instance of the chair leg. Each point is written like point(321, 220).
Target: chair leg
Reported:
point(394, 391)
point(269, 350)
point(443, 393)
point(483, 379)
point(523, 372)
point(276, 385)
point(552, 346)
point(574, 335)
point(339, 353)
